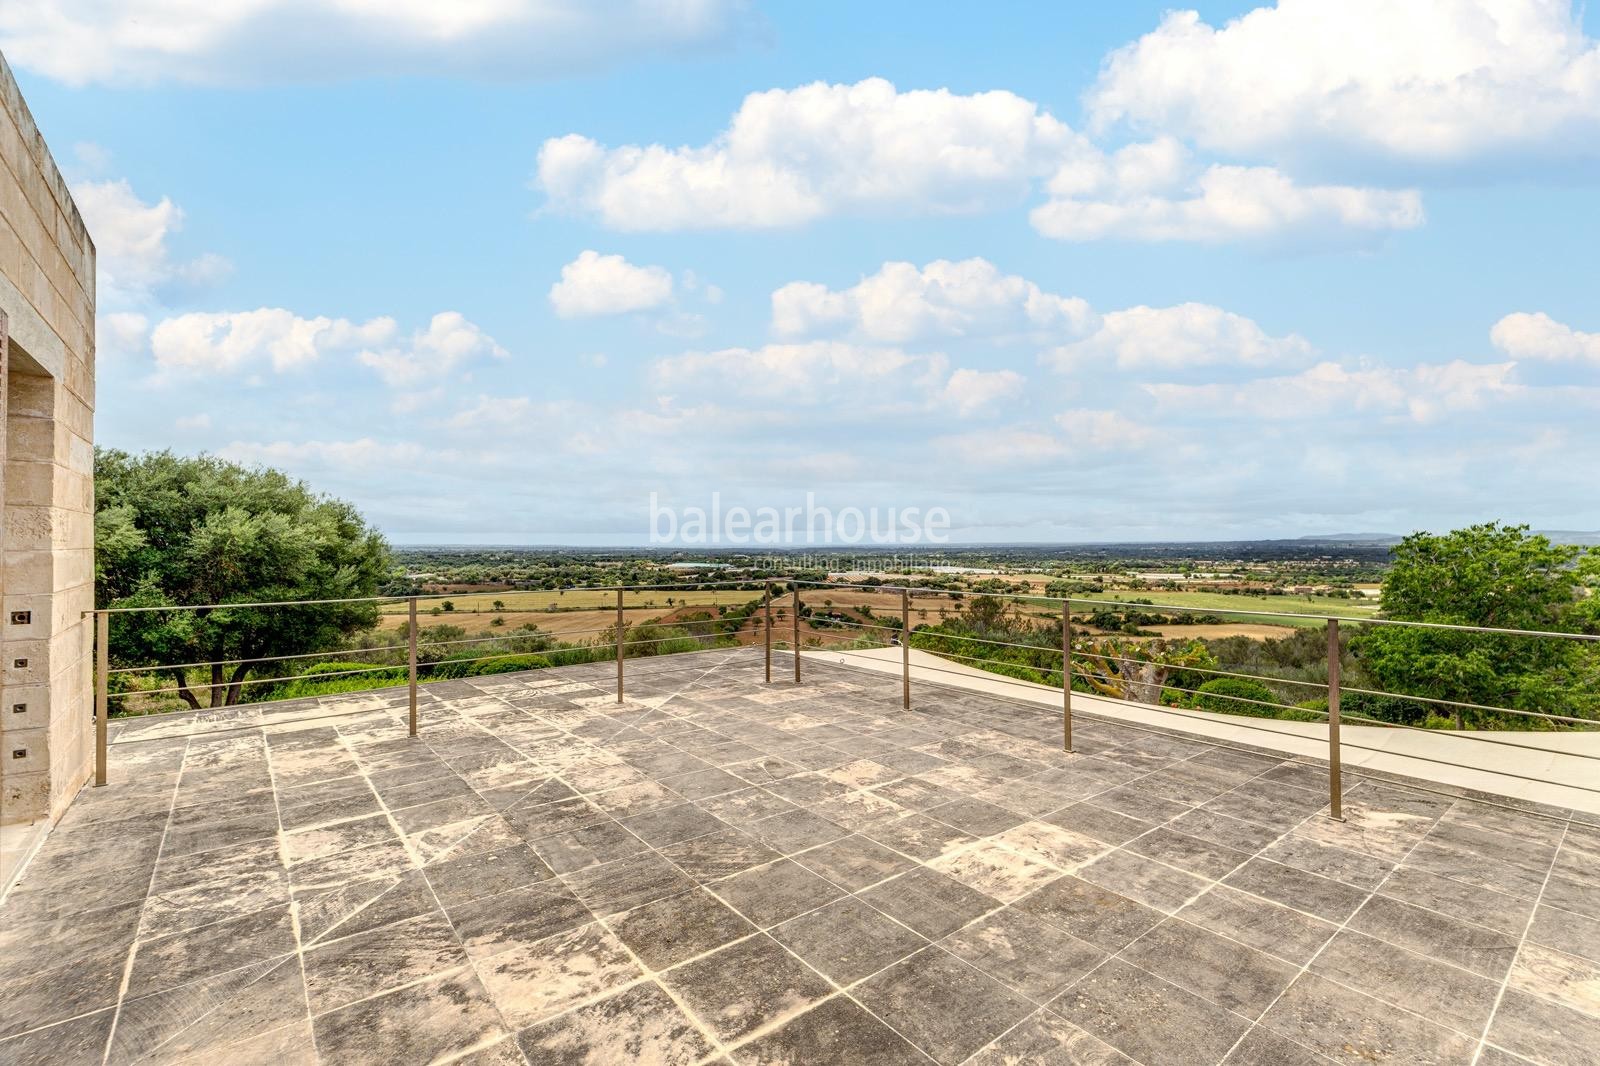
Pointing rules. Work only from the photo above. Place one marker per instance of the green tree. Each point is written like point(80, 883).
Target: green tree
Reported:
point(1496, 576)
point(174, 530)
point(984, 613)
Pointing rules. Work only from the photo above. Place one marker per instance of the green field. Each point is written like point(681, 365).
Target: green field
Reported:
point(1222, 603)
point(573, 600)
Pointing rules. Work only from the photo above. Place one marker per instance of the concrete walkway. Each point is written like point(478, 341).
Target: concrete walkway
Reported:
point(1564, 771)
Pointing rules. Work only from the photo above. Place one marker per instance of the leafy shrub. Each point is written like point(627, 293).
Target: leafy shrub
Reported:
point(338, 667)
point(1387, 709)
point(328, 678)
point(509, 665)
point(1228, 695)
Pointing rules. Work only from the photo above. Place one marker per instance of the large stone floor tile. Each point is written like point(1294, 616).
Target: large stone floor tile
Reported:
point(1436, 990)
point(1263, 925)
point(517, 917)
point(929, 902)
point(1545, 1032)
point(847, 940)
point(1320, 897)
point(420, 1023)
point(1223, 971)
point(1089, 912)
point(1047, 1039)
point(776, 892)
point(676, 928)
point(211, 949)
point(836, 1032)
point(746, 986)
point(356, 967)
point(1486, 952)
point(78, 1042)
point(532, 982)
point(640, 1024)
point(1344, 1024)
point(1027, 954)
point(945, 1007)
point(195, 1018)
point(1148, 1019)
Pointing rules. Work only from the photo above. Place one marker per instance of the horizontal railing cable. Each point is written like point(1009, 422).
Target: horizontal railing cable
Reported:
point(400, 600)
point(1244, 612)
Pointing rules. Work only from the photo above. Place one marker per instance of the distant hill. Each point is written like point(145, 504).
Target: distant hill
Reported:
point(1590, 539)
point(1351, 538)
point(1557, 536)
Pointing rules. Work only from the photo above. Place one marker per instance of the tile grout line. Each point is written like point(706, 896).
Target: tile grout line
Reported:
point(1358, 772)
point(939, 943)
point(421, 866)
point(274, 962)
point(760, 1031)
point(596, 919)
point(133, 949)
point(1214, 882)
point(1488, 1023)
point(1306, 967)
point(1377, 783)
point(647, 973)
point(294, 904)
point(721, 727)
point(165, 936)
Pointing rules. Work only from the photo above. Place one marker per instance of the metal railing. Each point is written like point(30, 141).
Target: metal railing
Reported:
point(896, 620)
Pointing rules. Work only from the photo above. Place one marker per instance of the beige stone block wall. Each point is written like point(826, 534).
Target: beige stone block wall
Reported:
point(46, 477)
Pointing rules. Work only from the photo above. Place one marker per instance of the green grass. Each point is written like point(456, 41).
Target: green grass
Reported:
point(1222, 603)
point(573, 600)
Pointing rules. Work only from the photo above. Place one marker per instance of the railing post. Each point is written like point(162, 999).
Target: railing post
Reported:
point(796, 621)
point(905, 649)
point(766, 611)
point(1335, 790)
point(410, 666)
point(102, 692)
point(1066, 676)
point(619, 645)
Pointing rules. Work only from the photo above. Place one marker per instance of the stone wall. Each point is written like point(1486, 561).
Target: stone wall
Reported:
point(47, 486)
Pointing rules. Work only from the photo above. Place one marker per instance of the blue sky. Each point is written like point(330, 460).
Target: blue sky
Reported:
point(499, 271)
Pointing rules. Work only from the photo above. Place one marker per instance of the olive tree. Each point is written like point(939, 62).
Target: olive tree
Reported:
point(1499, 577)
point(176, 530)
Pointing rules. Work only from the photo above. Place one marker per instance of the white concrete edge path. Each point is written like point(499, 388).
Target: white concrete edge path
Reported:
point(1564, 777)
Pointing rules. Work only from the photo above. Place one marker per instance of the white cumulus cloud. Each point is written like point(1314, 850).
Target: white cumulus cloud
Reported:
point(359, 454)
point(1103, 430)
point(1422, 393)
point(809, 373)
point(133, 258)
point(1432, 81)
point(274, 41)
point(1154, 192)
point(1187, 335)
point(902, 303)
point(431, 354)
point(969, 392)
point(221, 342)
point(796, 155)
point(792, 156)
point(1538, 336)
point(838, 376)
point(595, 284)
point(120, 333)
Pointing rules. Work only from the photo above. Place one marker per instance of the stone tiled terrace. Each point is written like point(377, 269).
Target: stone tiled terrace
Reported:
point(724, 871)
